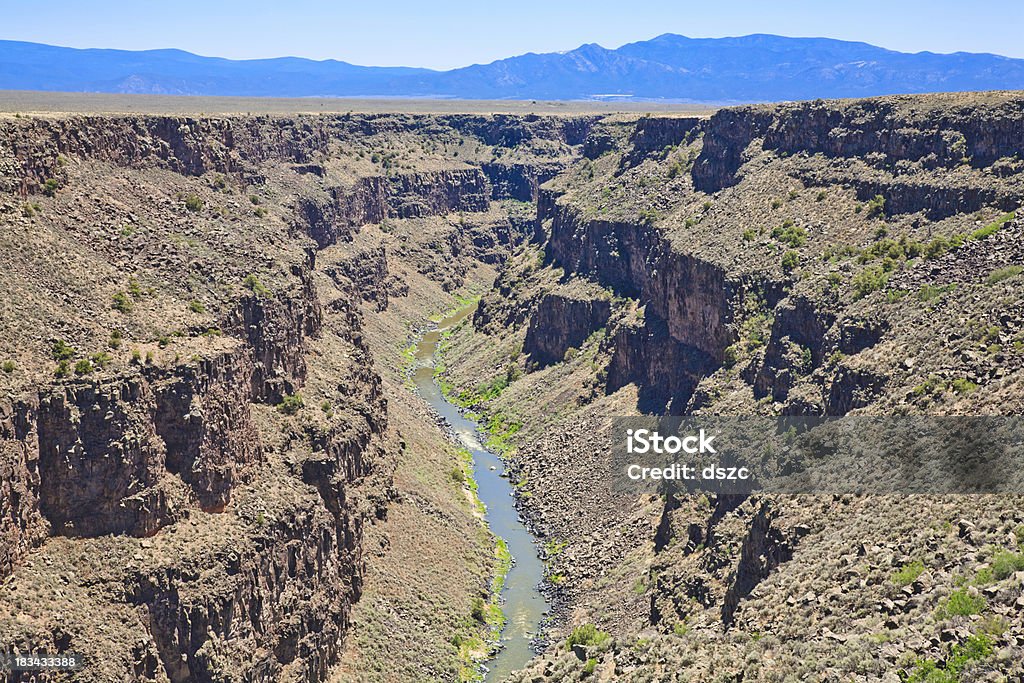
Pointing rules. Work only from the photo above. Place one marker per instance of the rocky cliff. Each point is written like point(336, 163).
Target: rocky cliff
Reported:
point(815, 258)
point(193, 431)
point(687, 216)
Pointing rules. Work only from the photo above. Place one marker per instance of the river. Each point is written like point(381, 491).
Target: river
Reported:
point(524, 605)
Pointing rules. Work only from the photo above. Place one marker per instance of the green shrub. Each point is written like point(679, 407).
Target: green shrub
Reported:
point(63, 369)
point(749, 235)
point(83, 367)
point(928, 671)
point(976, 648)
point(933, 385)
point(790, 234)
point(962, 385)
point(820, 197)
point(61, 350)
point(197, 307)
point(8, 366)
point(790, 260)
point(649, 216)
point(891, 249)
point(122, 303)
point(876, 205)
point(590, 667)
point(253, 284)
point(993, 227)
point(806, 359)
point(51, 186)
point(985, 334)
point(514, 372)
point(1000, 274)
point(936, 248)
point(290, 404)
point(101, 359)
point(908, 573)
point(115, 339)
point(134, 288)
point(586, 635)
point(1006, 563)
point(869, 280)
point(912, 248)
point(961, 603)
point(194, 203)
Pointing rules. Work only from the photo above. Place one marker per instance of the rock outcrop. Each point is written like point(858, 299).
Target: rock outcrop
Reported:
point(888, 146)
point(22, 524)
point(561, 323)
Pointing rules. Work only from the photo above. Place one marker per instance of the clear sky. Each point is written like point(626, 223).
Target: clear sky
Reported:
point(445, 34)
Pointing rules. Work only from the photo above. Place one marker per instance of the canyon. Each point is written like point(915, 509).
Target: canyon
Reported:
point(213, 467)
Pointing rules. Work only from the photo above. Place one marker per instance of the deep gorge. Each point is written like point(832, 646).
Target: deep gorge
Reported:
point(202, 475)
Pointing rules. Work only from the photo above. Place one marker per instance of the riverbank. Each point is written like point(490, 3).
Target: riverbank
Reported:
point(516, 607)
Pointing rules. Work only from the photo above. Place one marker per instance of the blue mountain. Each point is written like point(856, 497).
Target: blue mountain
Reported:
point(670, 67)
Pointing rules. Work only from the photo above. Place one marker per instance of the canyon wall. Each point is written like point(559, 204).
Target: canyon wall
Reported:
point(228, 513)
point(922, 163)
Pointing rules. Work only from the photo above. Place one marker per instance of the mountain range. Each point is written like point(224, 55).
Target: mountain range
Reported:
point(670, 67)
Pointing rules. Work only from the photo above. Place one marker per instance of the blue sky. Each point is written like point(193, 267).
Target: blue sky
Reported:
point(443, 34)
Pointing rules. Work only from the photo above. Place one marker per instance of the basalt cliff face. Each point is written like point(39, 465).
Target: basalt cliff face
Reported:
point(816, 258)
point(193, 431)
